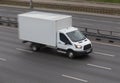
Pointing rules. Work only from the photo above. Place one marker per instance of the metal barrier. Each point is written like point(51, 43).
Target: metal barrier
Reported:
point(9, 21)
point(66, 6)
point(114, 35)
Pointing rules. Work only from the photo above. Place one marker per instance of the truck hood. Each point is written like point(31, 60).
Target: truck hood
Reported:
point(83, 42)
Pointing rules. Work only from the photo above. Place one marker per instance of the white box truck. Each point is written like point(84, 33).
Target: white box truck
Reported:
point(54, 31)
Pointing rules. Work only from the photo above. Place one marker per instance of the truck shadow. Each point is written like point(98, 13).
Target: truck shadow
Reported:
point(53, 52)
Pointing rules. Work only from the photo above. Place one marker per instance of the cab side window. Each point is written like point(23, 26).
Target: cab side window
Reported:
point(64, 39)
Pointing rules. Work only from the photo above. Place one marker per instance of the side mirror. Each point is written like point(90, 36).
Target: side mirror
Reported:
point(66, 43)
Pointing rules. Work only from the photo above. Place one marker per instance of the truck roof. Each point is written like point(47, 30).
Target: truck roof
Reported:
point(44, 15)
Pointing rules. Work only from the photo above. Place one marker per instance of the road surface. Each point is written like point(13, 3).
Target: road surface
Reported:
point(18, 64)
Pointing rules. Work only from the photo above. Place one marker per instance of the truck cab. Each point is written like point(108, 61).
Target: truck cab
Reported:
point(72, 42)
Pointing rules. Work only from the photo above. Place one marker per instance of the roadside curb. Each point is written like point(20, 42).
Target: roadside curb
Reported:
point(55, 10)
point(68, 7)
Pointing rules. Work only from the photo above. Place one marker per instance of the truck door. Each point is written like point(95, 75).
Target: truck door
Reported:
point(63, 42)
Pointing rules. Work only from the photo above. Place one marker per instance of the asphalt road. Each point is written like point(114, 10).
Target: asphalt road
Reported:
point(18, 64)
point(80, 20)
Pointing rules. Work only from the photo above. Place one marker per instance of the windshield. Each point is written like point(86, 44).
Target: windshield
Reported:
point(76, 36)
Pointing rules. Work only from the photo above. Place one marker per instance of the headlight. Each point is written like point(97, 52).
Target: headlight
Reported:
point(78, 46)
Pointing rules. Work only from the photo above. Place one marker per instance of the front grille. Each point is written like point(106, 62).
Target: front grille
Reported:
point(87, 46)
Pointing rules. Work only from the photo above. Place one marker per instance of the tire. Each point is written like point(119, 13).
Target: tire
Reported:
point(34, 47)
point(70, 54)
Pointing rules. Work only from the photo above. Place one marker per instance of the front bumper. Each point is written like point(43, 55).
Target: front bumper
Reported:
point(83, 52)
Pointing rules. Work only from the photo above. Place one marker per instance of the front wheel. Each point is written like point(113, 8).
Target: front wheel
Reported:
point(71, 54)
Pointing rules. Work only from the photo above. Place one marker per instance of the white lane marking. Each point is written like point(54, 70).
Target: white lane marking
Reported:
point(102, 67)
point(106, 44)
point(24, 50)
point(2, 59)
point(104, 54)
point(74, 78)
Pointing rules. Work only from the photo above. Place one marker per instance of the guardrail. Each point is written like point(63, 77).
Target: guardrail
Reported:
point(98, 33)
point(114, 35)
point(9, 21)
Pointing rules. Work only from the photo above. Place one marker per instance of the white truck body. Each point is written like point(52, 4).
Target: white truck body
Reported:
point(52, 30)
point(42, 27)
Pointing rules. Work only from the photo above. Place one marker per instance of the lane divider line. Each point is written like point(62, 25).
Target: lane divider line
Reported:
point(24, 50)
point(2, 59)
point(105, 54)
point(102, 67)
point(82, 80)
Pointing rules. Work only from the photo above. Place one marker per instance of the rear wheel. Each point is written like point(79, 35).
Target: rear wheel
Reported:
point(34, 47)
